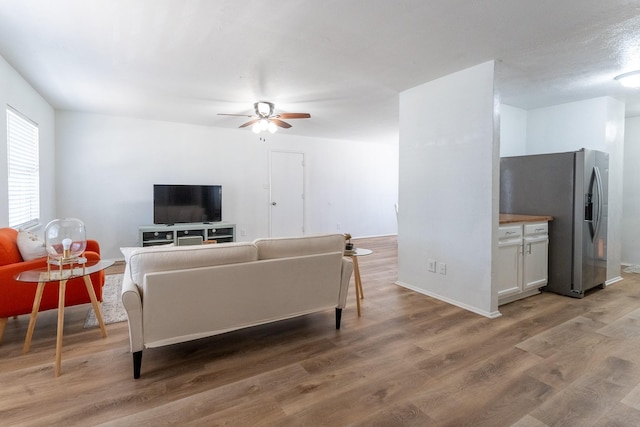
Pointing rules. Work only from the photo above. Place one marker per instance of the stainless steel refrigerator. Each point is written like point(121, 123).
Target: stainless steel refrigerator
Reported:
point(572, 187)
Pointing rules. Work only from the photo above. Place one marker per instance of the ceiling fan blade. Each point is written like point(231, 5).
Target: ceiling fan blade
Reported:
point(280, 123)
point(240, 115)
point(293, 115)
point(249, 123)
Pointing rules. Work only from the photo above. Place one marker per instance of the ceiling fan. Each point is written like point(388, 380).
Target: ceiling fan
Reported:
point(265, 119)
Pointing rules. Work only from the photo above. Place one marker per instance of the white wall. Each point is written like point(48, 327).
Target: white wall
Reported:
point(513, 131)
point(597, 124)
point(568, 127)
point(17, 93)
point(449, 188)
point(107, 167)
point(631, 194)
point(615, 146)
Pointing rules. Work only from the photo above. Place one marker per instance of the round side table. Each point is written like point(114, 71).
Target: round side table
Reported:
point(43, 276)
point(354, 254)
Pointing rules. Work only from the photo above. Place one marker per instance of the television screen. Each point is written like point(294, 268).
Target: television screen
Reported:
point(186, 203)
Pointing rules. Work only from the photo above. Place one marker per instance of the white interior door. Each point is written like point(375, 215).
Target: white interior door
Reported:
point(287, 194)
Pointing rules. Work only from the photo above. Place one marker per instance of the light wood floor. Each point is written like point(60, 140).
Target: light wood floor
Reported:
point(409, 360)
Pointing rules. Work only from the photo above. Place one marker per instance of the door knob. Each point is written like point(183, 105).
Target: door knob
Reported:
point(273, 203)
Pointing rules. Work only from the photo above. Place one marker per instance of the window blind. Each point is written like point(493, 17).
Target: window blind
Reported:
point(24, 170)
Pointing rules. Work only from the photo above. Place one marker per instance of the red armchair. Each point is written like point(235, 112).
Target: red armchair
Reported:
point(17, 297)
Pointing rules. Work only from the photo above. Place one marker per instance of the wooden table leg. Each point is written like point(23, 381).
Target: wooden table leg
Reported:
point(3, 325)
point(95, 304)
point(61, 293)
point(34, 316)
point(356, 271)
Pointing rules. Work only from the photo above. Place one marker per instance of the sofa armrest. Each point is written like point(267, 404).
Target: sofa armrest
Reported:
point(93, 246)
point(14, 294)
point(10, 271)
point(347, 270)
point(132, 301)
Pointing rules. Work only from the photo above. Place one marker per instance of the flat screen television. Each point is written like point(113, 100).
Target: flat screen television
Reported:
point(186, 203)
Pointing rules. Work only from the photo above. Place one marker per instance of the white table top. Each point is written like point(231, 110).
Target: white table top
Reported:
point(358, 252)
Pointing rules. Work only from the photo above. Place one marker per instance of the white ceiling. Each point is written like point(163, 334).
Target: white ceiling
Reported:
point(343, 61)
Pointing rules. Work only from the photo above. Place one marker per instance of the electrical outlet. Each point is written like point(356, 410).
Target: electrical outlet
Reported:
point(431, 265)
point(338, 226)
point(243, 232)
point(442, 268)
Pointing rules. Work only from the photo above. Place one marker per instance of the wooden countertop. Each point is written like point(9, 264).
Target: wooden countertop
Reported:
point(510, 218)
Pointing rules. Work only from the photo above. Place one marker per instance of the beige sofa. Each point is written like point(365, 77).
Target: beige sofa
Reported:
point(177, 294)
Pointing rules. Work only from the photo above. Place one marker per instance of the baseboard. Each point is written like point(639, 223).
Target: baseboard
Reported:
point(612, 281)
point(374, 236)
point(490, 315)
point(516, 297)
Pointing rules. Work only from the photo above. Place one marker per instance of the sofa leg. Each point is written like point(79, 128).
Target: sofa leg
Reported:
point(338, 317)
point(137, 363)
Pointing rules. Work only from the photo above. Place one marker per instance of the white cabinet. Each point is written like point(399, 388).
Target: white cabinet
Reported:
point(536, 255)
point(151, 235)
point(509, 260)
point(522, 260)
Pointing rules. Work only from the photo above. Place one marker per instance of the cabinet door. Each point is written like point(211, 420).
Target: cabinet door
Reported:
point(509, 267)
point(536, 251)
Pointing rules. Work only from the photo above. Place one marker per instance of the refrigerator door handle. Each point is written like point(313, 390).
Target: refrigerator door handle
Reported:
point(599, 208)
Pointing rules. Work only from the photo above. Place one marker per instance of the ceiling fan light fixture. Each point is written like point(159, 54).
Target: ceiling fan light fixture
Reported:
point(264, 109)
point(265, 119)
point(631, 79)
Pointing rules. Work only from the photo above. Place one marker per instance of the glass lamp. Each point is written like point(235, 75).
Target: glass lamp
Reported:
point(65, 240)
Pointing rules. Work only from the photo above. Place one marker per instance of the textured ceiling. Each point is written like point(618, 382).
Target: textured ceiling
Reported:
point(343, 61)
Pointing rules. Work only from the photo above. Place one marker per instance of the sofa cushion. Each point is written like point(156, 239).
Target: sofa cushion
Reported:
point(30, 245)
point(282, 247)
point(128, 251)
point(155, 259)
point(9, 253)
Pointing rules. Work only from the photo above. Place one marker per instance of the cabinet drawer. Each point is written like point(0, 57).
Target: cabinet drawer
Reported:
point(509, 232)
point(536, 228)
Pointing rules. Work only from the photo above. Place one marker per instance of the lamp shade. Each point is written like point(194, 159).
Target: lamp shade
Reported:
point(65, 238)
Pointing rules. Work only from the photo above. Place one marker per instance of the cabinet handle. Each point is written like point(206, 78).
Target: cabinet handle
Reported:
point(529, 249)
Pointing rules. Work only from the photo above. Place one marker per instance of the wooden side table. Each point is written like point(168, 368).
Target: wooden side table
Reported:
point(42, 276)
point(354, 254)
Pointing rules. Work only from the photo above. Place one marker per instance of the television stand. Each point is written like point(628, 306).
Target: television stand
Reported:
point(163, 234)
